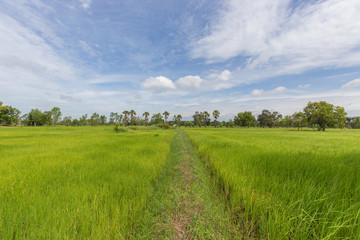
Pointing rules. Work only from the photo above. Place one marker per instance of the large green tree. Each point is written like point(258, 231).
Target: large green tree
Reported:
point(322, 115)
point(265, 119)
point(35, 116)
point(245, 119)
point(9, 115)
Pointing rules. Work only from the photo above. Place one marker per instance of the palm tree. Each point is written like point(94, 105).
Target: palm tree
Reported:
point(206, 118)
point(126, 113)
point(132, 114)
point(146, 114)
point(166, 115)
point(179, 117)
point(216, 114)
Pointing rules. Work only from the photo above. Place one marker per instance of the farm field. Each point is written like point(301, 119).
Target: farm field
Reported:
point(287, 184)
point(192, 183)
point(77, 182)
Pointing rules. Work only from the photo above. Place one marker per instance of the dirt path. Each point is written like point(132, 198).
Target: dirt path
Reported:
point(186, 203)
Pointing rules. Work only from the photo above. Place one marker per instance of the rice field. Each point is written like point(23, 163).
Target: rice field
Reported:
point(287, 184)
point(77, 182)
point(92, 183)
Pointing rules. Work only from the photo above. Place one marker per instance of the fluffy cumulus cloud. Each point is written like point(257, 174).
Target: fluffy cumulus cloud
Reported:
point(189, 82)
point(224, 76)
point(261, 92)
point(158, 84)
point(352, 84)
point(286, 37)
point(257, 92)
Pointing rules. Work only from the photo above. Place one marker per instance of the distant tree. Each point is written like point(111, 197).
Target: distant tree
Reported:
point(35, 116)
point(206, 118)
point(132, 116)
point(118, 119)
point(188, 124)
point(245, 119)
point(67, 121)
point(95, 119)
point(353, 122)
point(9, 116)
point(321, 115)
point(230, 124)
point(75, 122)
point(125, 121)
point(113, 118)
point(103, 120)
point(55, 115)
point(46, 118)
point(265, 119)
point(83, 120)
point(156, 118)
point(216, 114)
point(340, 116)
point(299, 120)
point(3, 107)
point(178, 120)
point(276, 119)
point(166, 115)
point(198, 118)
point(146, 115)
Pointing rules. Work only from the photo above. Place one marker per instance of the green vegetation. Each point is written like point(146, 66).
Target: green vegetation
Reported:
point(138, 182)
point(78, 182)
point(287, 184)
point(186, 203)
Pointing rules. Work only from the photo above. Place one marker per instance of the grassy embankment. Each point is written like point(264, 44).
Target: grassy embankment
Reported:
point(287, 184)
point(77, 182)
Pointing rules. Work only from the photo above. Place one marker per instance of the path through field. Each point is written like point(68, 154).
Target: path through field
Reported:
point(186, 204)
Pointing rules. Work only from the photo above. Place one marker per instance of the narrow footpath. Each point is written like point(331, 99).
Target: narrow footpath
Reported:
point(186, 203)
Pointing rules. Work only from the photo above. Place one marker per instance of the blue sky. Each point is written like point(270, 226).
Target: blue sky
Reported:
point(101, 56)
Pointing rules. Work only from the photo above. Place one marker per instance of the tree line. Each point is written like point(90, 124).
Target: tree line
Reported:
point(316, 115)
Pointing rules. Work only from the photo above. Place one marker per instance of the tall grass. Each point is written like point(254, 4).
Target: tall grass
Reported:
point(288, 184)
point(78, 182)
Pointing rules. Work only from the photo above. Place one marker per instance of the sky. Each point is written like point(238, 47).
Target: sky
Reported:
point(179, 56)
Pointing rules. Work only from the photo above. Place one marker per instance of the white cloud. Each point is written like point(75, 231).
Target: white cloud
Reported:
point(224, 76)
point(257, 92)
point(86, 4)
point(260, 92)
point(242, 28)
point(279, 39)
point(278, 90)
point(352, 84)
point(189, 82)
point(158, 84)
point(304, 85)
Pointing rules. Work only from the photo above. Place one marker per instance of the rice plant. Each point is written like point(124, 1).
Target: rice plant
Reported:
point(77, 182)
point(287, 184)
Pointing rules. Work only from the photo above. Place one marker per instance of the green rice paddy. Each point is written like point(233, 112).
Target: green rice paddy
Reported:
point(287, 184)
point(92, 183)
point(78, 182)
